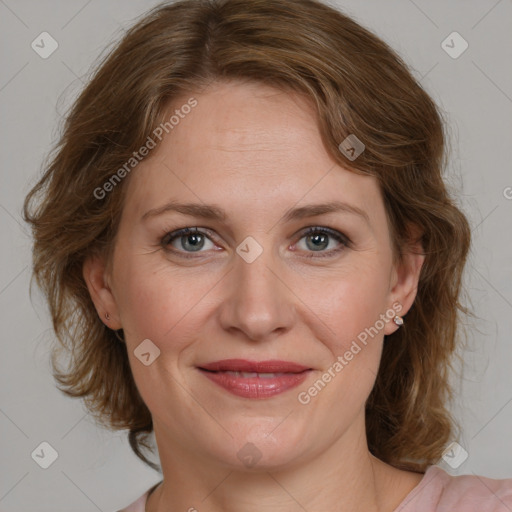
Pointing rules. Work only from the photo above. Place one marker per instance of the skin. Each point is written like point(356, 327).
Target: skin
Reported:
point(255, 152)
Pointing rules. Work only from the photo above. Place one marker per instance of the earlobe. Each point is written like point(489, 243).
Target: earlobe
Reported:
point(406, 277)
point(94, 273)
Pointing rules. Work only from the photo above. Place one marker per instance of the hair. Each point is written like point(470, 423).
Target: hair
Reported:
point(358, 85)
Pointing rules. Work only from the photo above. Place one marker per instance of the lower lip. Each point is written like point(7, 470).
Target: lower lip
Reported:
point(256, 387)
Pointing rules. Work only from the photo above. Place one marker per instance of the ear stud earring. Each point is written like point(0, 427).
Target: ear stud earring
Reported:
point(107, 316)
point(398, 320)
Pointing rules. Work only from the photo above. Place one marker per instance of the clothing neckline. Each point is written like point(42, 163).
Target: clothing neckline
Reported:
point(419, 487)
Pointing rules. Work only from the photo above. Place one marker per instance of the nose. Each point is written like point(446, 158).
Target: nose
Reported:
point(259, 304)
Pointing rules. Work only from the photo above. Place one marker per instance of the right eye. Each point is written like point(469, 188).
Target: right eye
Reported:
point(186, 240)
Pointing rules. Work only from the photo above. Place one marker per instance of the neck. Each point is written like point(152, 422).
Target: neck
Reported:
point(344, 477)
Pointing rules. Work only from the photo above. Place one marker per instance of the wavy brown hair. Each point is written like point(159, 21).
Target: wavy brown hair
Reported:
point(358, 85)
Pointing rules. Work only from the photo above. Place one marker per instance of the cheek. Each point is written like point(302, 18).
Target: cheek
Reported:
point(351, 304)
point(162, 306)
point(158, 302)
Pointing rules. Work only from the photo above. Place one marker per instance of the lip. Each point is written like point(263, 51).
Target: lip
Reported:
point(228, 375)
point(243, 365)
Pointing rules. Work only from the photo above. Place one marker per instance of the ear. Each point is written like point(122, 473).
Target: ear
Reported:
point(95, 275)
point(405, 276)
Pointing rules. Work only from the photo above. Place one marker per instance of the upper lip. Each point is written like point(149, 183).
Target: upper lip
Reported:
point(242, 365)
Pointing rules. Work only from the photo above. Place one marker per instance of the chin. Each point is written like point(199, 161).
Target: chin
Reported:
point(264, 444)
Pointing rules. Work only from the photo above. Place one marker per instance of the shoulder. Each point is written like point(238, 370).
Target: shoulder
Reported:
point(140, 504)
point(438, 491)
point(136, 506)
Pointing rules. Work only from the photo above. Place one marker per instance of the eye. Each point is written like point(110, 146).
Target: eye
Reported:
point(187, 240)
point(193, 240)
point(319, 238)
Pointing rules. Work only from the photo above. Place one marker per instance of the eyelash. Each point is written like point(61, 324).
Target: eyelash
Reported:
point(339, 237)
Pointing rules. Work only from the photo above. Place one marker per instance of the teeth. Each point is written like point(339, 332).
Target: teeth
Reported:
point(248, 375)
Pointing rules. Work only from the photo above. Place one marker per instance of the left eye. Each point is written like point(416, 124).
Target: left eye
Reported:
point(318, 239)
point(190, 240)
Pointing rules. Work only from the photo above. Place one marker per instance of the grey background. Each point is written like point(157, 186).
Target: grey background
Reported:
point(95, 469)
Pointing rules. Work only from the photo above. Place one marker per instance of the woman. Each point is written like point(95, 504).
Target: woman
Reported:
point(248, 247)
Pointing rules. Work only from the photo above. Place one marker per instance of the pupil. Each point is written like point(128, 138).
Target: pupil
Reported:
point(196, 243)
point(321, 238)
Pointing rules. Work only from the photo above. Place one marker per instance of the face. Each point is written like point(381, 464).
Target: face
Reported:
point(266, 279)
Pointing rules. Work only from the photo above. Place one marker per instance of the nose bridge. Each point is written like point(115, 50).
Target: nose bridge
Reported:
point(258, 302)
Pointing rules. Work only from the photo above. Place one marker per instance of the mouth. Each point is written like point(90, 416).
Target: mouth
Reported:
point(255, 379)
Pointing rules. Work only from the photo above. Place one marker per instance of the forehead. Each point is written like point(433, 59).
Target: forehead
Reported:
point(247, 145)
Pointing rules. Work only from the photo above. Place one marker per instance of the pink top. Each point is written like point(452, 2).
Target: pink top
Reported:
point(437, 492)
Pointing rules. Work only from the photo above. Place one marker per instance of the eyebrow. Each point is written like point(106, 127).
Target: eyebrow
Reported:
point(212, 212)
